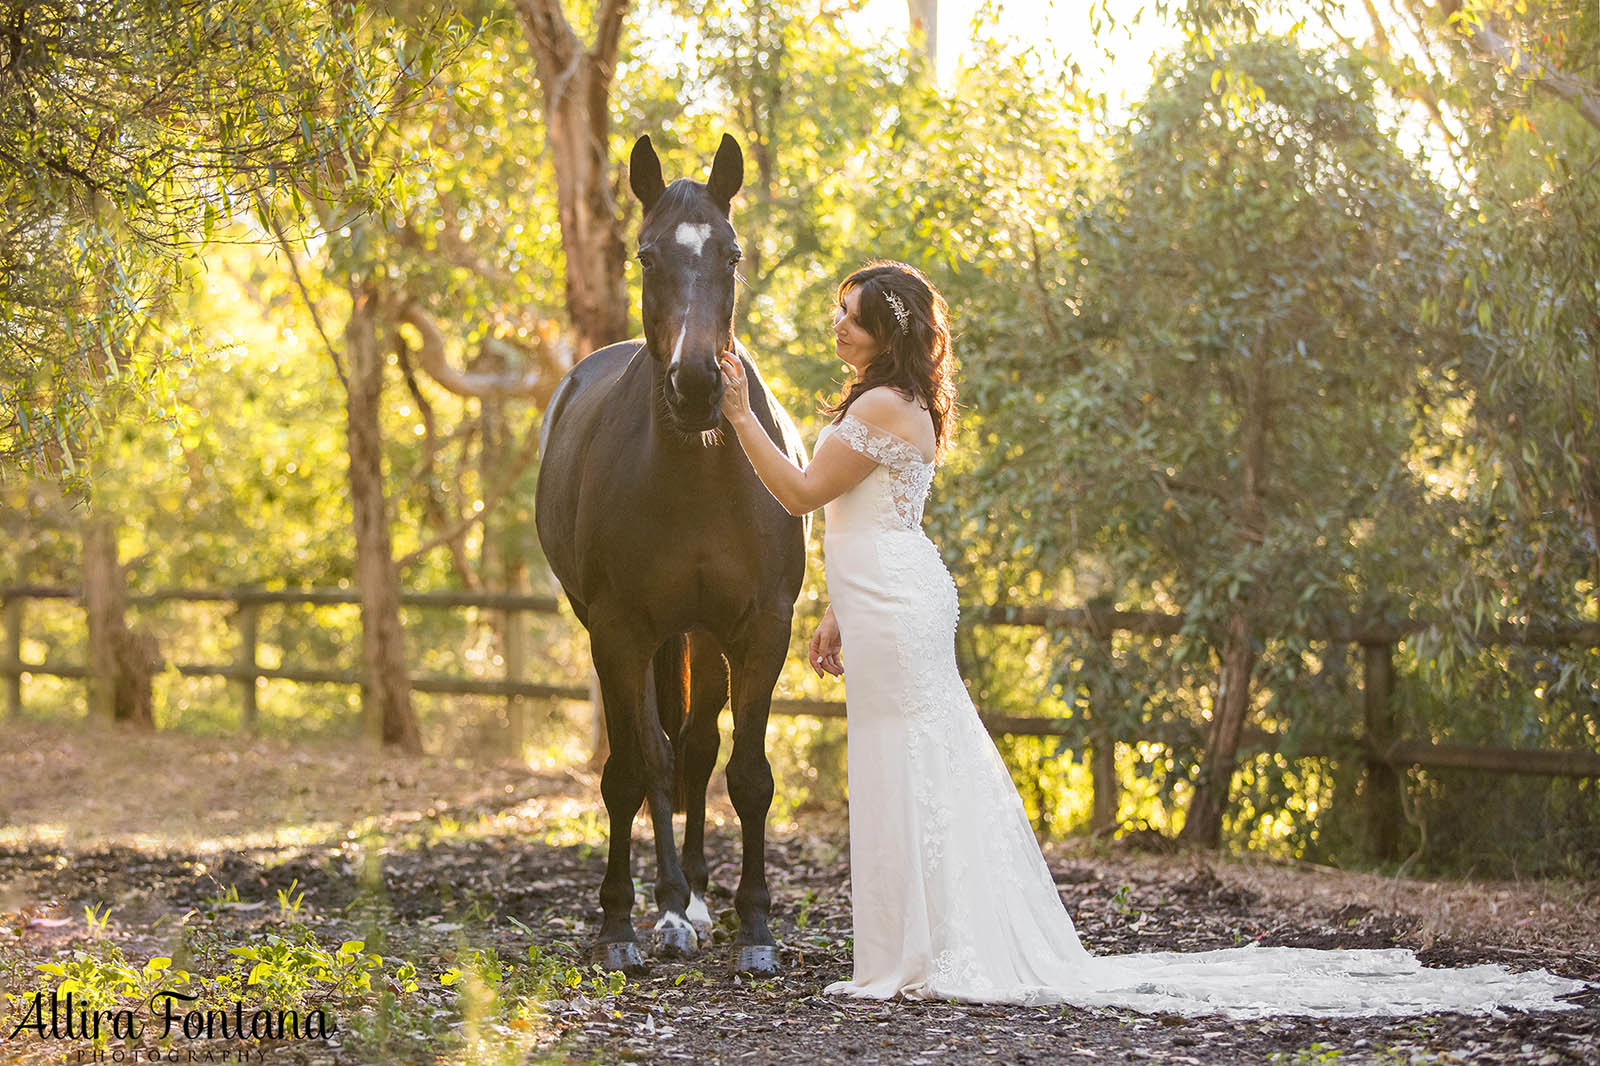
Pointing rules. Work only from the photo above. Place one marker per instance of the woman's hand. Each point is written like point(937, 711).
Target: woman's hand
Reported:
point(735, 389)
point(826, 645)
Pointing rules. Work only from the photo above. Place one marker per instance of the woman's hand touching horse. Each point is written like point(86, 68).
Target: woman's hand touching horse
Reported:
point(833, 470)
point(735, 391)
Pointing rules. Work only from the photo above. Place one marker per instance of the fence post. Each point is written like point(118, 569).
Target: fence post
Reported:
point(13, 663)
point(1103, 748)
point(516, 706)
point(249, 623)
point(1384, 811)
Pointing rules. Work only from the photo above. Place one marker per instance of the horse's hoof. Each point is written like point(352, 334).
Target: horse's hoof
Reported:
point(757, 960)
point(620, 955)
point(676, 942)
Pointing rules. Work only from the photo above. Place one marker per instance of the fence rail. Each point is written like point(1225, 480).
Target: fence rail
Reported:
point(1384, 753)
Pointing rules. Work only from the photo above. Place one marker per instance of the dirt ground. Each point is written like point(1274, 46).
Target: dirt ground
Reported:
point(198, 846)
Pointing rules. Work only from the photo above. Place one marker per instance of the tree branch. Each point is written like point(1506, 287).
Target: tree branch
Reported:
point(524, 456)
point(538, 381)
point(1584, 97)
point(1171, 484)
point(556, 47)
point(609, 37)
point(1381, 41)
point(294, 268)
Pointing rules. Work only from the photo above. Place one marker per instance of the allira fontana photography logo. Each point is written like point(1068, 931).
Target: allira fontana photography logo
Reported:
point(169, 1015)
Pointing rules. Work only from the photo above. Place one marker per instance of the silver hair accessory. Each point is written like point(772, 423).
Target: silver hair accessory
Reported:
point(901, 315)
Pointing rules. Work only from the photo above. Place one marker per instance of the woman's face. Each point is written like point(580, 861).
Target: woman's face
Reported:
point(852, 342)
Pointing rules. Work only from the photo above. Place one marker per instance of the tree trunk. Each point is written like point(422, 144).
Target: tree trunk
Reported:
point(1385, 808)
point(1204, 823)
point(925, 29)
point(120, 661)
point(576, 85)
point(386, 697)
point(1203, 826)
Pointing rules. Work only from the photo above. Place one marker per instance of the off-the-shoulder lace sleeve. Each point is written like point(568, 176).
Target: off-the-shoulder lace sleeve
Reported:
point(877, 443)
point(910, 476)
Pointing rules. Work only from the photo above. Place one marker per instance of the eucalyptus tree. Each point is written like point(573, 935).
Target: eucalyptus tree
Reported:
point(576, 63)
point(1230, 414)
point(129, 132)
point(816, 109)
point(1513, 92)
point(1522, 107)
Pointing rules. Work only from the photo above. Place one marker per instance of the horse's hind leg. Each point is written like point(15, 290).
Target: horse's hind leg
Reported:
point(665, 697)
point(708, 691)
point(757, 663)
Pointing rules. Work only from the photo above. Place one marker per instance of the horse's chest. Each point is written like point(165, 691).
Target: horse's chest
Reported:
point(682, 537)
point(707, 552)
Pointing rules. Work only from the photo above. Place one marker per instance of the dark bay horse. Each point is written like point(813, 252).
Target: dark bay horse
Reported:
point(678, 561)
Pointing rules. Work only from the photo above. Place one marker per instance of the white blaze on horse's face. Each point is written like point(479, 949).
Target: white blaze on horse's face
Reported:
point(677, 349)
point(693, 236)
point(688, 253)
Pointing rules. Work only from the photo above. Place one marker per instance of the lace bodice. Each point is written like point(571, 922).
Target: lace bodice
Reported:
point(893, 495)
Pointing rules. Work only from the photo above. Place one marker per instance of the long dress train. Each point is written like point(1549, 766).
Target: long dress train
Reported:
point(951, 897)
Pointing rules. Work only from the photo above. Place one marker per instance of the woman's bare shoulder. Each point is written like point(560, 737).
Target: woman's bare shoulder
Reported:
point(885, 401)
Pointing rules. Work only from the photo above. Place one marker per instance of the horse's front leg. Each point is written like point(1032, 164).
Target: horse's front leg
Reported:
point(757, 663)
point(620, 661)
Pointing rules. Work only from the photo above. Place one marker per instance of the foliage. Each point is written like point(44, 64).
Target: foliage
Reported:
point(134, 132)
point(1224, 412)
point(379, 1004)
point(283, 971)
point(1240, 349)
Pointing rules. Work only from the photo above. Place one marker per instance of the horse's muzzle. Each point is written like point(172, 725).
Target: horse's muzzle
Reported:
point(694, 397)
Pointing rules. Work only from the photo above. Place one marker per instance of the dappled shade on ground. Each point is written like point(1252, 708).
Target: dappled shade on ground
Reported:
point(476, 884)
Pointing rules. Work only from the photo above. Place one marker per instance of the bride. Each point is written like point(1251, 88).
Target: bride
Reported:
point(950, 895)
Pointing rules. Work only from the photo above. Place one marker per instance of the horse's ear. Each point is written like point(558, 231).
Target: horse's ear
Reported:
point(727, 172)
point(644, 173)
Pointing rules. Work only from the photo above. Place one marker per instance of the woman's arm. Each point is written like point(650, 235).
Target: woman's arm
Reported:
point(833, 470)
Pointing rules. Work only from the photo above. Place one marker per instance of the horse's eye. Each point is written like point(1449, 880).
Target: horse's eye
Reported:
point(734, 257)
point(647, 260)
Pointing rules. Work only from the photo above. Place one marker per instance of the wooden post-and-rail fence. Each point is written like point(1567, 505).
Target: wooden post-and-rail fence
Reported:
point(1385, 754)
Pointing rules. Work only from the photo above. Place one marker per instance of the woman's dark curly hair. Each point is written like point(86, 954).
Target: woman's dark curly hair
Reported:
point(916, 358)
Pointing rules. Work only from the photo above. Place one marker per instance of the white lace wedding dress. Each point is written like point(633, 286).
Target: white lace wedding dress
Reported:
point(951, 897)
